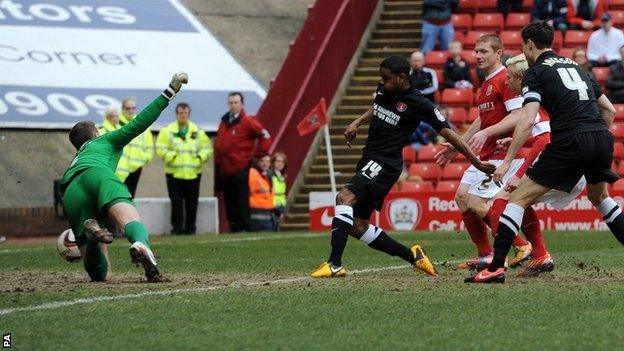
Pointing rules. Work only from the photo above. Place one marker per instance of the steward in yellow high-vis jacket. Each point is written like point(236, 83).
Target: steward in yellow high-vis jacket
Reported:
point(111, 123)
point(140, 151)
point(184, 147)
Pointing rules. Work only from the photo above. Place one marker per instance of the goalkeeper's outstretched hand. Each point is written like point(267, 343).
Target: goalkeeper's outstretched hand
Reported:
point(177, 80)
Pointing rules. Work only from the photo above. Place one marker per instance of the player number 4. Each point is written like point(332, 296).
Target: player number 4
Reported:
point(573, 81)
point(373, 168)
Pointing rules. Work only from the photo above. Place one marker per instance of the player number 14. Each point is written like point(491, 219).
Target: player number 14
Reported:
point(573, 81)
point(373, 168)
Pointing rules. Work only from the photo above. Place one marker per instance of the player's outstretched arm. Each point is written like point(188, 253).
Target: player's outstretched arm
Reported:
point(351, 130)
point(121, 137)
point(461, 146)
point(506, 125)
point(520, 136)
point(448, 153)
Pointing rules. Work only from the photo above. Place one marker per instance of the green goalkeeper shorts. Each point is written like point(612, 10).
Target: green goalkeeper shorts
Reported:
point(89, 195)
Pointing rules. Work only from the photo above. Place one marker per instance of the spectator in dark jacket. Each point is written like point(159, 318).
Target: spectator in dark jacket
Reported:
point(456, 69)
point(503, 6)
point(421, 77)
point(552, 11)
point(437, 24)
point(585, 14)
point(234, 148)
point(615, 81)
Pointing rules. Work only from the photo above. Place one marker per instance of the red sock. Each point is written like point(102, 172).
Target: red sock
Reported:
point(478, 232)
point(531, 228)
point(493, 216)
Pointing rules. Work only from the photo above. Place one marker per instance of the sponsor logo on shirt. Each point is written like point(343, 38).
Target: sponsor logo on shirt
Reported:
point(386, 115)
point(487, 106)
point(489, 89)
point(439, 115)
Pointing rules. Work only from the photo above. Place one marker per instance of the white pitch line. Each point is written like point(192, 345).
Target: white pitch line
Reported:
point(89, 300)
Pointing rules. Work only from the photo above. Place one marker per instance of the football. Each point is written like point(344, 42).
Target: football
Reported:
point(67, 247)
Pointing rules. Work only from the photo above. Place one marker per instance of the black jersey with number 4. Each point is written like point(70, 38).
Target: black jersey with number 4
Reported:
point(567, 93)
point(395, 118)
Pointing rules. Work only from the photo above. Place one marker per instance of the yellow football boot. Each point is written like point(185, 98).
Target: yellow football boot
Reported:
point(422, 262)
point(522, 254)
point(327, 270)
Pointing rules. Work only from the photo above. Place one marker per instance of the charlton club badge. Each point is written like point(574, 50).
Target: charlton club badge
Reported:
point(401, 106)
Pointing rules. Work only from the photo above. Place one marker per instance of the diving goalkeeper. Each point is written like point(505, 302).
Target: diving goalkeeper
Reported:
point(91, 191)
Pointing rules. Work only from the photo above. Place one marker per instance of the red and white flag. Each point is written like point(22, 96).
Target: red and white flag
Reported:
point(314, 120)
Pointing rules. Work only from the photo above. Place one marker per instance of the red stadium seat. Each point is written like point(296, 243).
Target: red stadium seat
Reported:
point(511, 40)
point(461, 21)
point(616, 5)
point(473, 114)
point(472, 37)
point(618, 18)
point(601, 74)
point(488, 22)
point(427, 153)
point(617, 129)
point(447, 186)
point(557, 40)
point(457, 115)
point(487, 6)
point(515, 21)
point(460, 36)
point(574, 38)
point(619, 169)
point(467, 6)
point(417, 187)
point(454, 171)
point(427, 171)
point(618, 186)
point(440, 75)
point(619, 112)
point(618, 152)
point(436, 58)
point(470, 56)
point(409, 155)
point(527, 5)
point(457, 98)
point(566, 52)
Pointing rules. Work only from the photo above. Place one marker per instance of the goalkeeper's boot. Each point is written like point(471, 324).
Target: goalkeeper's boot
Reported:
point(328, 270)
point(538, 265)
point(522, 254)
point(422, 262)
point(96, 233)
point(141, 254)
point(485, 276)
point(476, 263)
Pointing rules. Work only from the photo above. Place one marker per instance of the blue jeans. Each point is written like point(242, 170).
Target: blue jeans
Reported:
point(433, 32)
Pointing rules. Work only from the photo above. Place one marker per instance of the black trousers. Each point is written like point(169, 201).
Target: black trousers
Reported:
point(132, 181)
point(236, 198)
point(184, 196)
point(504, 5)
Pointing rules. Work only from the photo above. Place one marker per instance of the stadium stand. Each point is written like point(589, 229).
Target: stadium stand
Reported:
point(427, 171)
point(447, 186)
point(515, 21)
point(490, 22)
point(427, 153)
point(619, 112)
point(454, 171)
point(409, 155)
point(461, 22)
point(457, 97)
point(417, 187)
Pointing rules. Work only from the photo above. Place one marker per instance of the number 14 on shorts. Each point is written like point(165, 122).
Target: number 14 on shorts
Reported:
point(371, 170)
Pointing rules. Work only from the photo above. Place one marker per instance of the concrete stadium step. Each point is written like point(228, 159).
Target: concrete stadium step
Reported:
point(338, 159)
point(368, 81)
point(358, 109)
point(323, 179)
point(393, 43)
point(383, 53)
point(362, 90)
point(401, 15)
point(400, 24)
point(402, 5)
point(294, 226)
point(350, 100)
point(397, 34)
point(323, 168)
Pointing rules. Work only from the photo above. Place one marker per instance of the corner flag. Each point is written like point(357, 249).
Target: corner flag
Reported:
point(314, 120)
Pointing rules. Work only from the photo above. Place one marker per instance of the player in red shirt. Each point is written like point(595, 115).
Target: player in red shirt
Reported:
point(496, 103)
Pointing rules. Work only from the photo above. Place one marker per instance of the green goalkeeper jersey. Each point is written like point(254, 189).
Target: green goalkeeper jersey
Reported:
point(106, 150)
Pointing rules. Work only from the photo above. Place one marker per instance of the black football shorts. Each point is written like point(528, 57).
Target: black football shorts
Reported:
point(563, 162)
point(371, 183)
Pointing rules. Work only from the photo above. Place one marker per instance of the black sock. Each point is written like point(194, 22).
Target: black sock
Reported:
point(341, 226)
point(613, 217)
point(508, 228)
point(385, 243)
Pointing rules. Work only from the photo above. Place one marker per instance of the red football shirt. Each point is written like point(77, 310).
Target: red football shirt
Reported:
point(495, 101)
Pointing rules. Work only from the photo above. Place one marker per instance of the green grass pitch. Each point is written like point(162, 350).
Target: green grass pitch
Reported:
point(251, 292)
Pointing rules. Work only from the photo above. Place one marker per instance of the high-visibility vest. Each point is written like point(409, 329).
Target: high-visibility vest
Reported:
point(123, 169)
point(260, 192)
point(279, 189)
point(183, 156)
point(140, 150)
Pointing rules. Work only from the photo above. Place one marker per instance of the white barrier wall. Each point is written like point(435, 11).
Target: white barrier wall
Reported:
point(155, 213)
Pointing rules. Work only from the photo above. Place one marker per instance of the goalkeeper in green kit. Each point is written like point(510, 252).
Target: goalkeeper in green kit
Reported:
point(92, 192)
